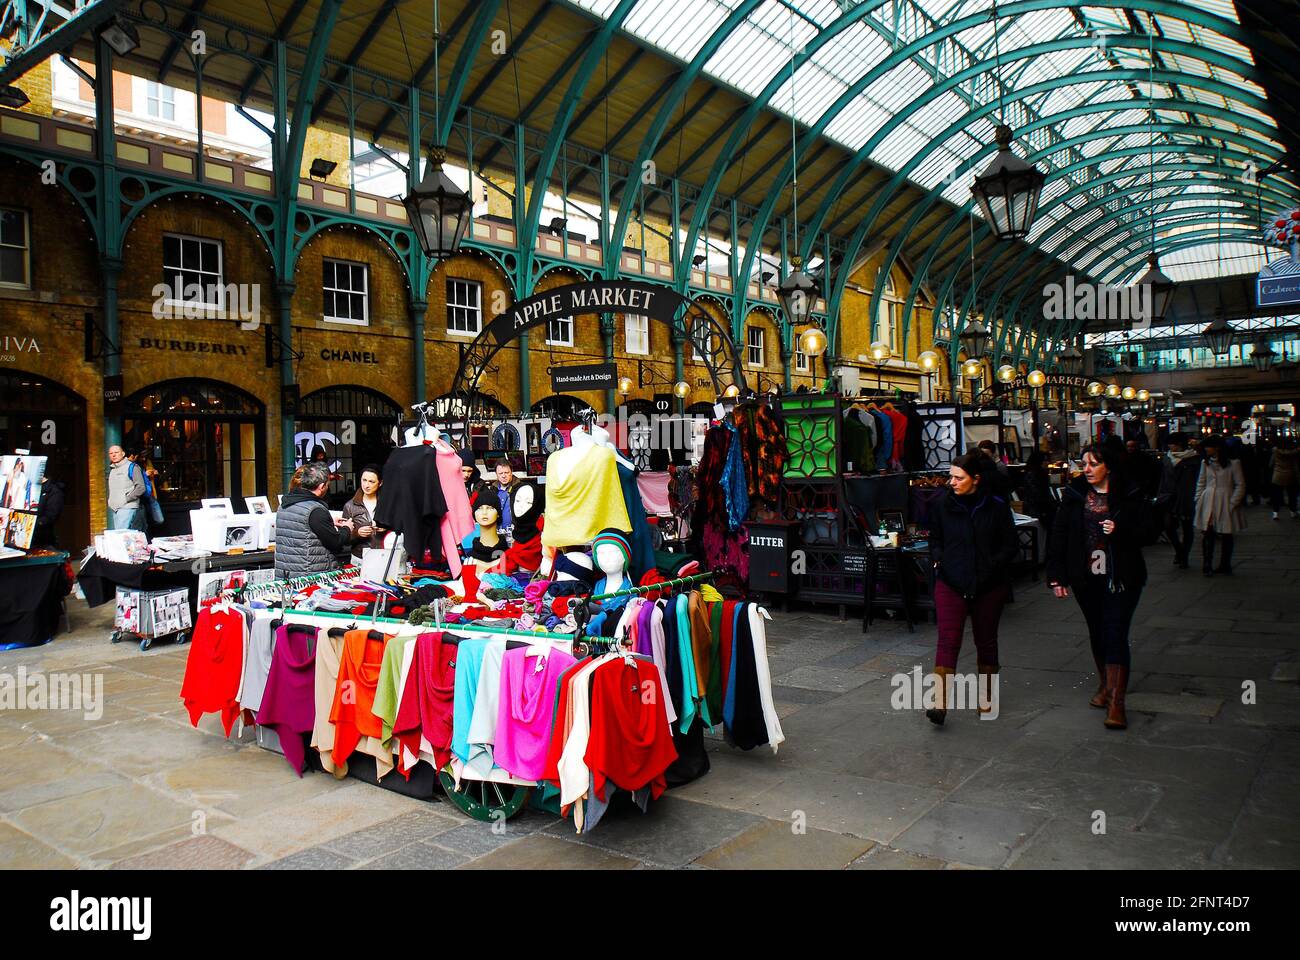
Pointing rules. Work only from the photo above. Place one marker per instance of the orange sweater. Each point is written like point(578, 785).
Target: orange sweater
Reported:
point(353, 713)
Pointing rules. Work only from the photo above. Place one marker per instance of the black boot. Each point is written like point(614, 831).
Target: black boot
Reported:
point(1207, 553)
point(1225, 560)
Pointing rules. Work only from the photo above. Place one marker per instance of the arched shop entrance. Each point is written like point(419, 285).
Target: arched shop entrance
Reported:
point(352, 426)
point(33, 410)
point(206, 439)
point(561, 406)
point(640, 435)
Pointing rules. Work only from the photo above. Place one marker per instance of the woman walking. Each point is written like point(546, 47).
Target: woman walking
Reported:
point(1220, 493)
point(1096, 551)
point(1284, 472)
point(972, 543)
point(361, 510)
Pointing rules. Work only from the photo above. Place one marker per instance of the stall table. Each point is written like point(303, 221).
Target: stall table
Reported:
point(32, 589)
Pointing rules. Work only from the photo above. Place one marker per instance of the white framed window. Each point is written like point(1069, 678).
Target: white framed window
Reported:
point(754, 346)
point(15, 249)
point(192, 270)
point(346, 291)
point(559, 332)
point(464, 306)
point(800, 358)
point(708, 338)
point(636, 333)
point(160, 101)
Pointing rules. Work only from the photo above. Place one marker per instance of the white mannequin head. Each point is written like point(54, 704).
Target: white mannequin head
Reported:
point(609, 559)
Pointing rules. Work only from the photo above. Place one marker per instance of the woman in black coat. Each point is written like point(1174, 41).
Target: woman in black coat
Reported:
point(1096, 550)
point(973, 542)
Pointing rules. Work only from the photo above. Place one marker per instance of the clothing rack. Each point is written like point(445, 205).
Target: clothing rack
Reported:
point(581, 609)
point(258, 591)
point(450, 627)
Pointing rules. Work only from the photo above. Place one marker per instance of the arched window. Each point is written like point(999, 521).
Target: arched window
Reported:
point(561, 406)
point(350, 427)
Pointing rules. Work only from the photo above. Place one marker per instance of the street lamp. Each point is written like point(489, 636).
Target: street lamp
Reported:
point(1036, 378)
point(813, 342)
point(1128, 393)
point(1008, 190)
point(731, 392)
point(880, 354)
point(1162, 289)
point(625, 385)
point(681, 389)
point(1096, 389)
point(438, 210)
point(1071, 361)
point(1218, 336)
point(1143, 395)
point(1112, 390)
point(796, 295)
point(975, 339)
point(1262, 356)
point(1006, 373)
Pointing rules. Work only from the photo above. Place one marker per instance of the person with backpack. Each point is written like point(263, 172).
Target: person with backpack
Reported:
point(1096, 550)
point(149, 505)
point(126, 489)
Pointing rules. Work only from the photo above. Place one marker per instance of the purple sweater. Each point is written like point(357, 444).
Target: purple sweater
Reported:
point(289, 703)
point(526, 710)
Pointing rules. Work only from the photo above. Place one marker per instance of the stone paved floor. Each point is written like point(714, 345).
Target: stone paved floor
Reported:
point(1199, 780)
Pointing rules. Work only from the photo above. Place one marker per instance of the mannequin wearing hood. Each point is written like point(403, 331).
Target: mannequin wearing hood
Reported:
point(612, 552)
point(525, 553)
point(488, 547)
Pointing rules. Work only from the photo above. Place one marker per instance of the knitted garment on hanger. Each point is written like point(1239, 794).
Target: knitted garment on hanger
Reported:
point(526, 709)
point(724, 550)
point(630, 744)
point(329, 655)
point(734, 485)
point(435, 672)
point(353, 713)
point(289, 703)
point(214, 666)
point(763, 446)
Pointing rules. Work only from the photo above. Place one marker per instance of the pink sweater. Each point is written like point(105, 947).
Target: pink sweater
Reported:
point(458, 521)
point(525, 711)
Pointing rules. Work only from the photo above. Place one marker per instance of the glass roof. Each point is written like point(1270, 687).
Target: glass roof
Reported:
point(757, 50)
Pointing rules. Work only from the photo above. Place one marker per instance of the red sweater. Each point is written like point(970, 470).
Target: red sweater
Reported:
point(630, 744)
point(214, 666)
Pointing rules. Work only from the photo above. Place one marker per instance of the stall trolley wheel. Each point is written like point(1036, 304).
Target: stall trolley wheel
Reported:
point(183, 637)
point(484, 800)
point(145, 643)
point(115, 636)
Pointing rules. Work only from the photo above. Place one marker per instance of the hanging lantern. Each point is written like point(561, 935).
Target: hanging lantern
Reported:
point(796, 293)
point(1218, 336)
point(1128, 393)
point(1070, 361)
point(1006, 373)
point(813, 342)
point(1008, 190)
point(682, 389)
point(975, 339)
point(625, 385)
point(1262, 356)
point(972, 369)
point(1144, 395)
point(880, 352)
point(1036, 378)
point(438, 210)
point(1096, 389)
point(1112, 390)
point(928, 361)
point(1162, 289)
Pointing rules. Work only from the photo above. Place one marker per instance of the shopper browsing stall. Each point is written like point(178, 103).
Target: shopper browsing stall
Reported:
point(126, 491)
point(973, 541)
point(361, 511)
point(1096, 551)
point(1220, 494)
point(307, 539)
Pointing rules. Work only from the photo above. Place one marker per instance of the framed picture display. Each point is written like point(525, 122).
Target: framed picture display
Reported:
point(534, 431)
point(258, 505)
point(222, 505)
point(536, 465)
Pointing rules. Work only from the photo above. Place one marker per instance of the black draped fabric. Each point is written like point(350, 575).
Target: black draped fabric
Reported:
point(748, 729)
point(913, 448)
point(411, 500)
point(100, 578)
point(30, 598)
point(692, 759)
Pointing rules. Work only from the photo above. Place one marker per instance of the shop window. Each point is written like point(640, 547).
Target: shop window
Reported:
point(192, 270)
point(464, 306)
point(15, 248)
point(754, 346)
point(559, 332)
point(347, 298)
point(800, 358)
point(160, 101)
point(707, 338)
point(636, 333)
point(349, 427)
point(205, 439)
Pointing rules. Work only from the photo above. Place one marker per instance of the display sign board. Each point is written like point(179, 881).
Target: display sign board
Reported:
point(113, 395)
point(1278, 284)
point(586, 376)
point(997, 388)
point(663, 403)
point(597, 296)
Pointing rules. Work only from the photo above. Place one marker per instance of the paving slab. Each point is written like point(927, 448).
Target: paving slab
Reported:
point(544, 852)
point(978, 836)
point(1070, 845)
point(197, 853)
point(779, 846)
point(102, 819)
point(887, 858)
point(673, 833)
point(20, 850)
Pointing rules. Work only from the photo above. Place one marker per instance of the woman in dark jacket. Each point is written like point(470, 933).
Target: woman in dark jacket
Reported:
point(361, 510)
point(1036, 491)
point(1096, 550)
point(972, 544)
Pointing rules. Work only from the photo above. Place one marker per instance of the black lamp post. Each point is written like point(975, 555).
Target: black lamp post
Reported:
point(438, 210)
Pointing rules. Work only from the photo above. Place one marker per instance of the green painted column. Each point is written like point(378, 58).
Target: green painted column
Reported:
point(110, 272)
point(288, 453)
point(607, 338)
point(418, 310)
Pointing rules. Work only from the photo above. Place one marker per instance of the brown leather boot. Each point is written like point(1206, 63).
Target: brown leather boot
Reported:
point(937, 715)
point(986, 686)
point(1117, 682)
point(1100, 698)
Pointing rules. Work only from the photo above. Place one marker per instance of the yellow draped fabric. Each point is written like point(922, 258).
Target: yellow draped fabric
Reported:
point(588, 499)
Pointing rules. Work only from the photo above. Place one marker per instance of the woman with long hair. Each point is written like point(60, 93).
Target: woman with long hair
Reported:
point(973, 541)
point(361, 510)
point(1220, 494)
point(1096, 551)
